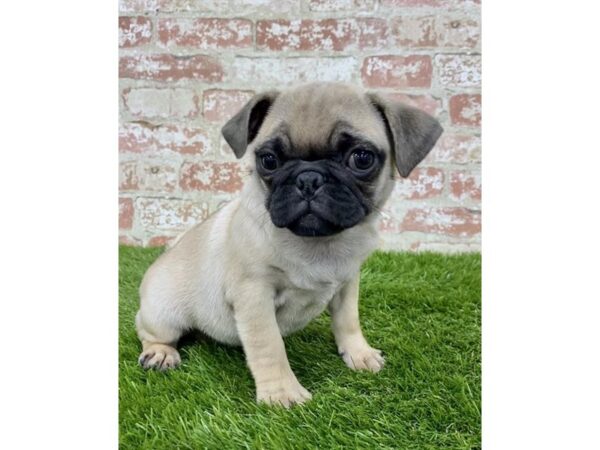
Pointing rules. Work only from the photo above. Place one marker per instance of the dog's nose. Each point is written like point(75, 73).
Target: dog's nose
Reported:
point(308, 182)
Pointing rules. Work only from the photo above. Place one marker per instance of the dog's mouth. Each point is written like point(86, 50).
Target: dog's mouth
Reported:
point(311, 219)
point(311, 225)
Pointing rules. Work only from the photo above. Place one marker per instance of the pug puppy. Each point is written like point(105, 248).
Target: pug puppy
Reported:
point(323, 158)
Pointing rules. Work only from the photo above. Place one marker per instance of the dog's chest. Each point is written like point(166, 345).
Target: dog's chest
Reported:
point(301, 294)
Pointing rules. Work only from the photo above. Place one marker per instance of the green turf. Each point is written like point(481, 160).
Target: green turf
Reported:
point(422, 310)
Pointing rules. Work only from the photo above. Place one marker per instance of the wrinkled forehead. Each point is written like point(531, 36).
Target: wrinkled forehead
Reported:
point(311, 118)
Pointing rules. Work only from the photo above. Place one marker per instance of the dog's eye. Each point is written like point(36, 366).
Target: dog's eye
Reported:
point(361, 159)
point(269, 162)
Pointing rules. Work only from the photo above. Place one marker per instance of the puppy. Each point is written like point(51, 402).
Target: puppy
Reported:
point(323, 158)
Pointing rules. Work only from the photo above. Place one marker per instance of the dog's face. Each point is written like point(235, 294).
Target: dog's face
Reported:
point(323, 188)
point(325, 153)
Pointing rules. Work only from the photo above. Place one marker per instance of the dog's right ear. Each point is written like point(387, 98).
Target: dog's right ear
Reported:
point(243, 127)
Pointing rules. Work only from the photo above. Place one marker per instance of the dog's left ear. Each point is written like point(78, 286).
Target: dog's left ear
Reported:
point(243, 127)
point(412, 132)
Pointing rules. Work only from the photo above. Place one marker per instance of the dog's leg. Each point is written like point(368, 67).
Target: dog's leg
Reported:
point(158, 344)
point(257, 327)
point(352, 346)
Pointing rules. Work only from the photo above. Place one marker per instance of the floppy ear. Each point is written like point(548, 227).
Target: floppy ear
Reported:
point(412, 132)
point(243, 127)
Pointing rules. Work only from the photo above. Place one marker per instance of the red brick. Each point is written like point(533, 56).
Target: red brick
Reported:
point(388, 223)
point(180, 103)
point(125, 213)
point(160, 241)
point(465, 109)
point(152, 175)
point(412, 71)
point(211, 176)
point(422, 183)
point(465, 185)
point(448, 221)
point(414, 31)
point(158, 175)
point(128, 179)
point(129, 240)
point(436, 31)
point(459, 70)
point(205, 33)
point(219, 104)
point(166, 214)
point(372, 33)
point(455, 149)
point(326, 34)
point(426, 103)
point(143, 137)
point(170, 68)
point(458, 32)
point(134, 31)
point(137, 137)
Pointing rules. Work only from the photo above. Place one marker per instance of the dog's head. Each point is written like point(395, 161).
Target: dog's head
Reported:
point(325, 153)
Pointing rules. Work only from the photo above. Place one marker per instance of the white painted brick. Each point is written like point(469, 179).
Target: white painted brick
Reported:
point(163, 103)
point(287, 71)
point(169, 214)
point(459, 70)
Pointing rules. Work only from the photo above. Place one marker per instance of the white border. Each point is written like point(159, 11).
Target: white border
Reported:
point(59, 225)
point(540, 226)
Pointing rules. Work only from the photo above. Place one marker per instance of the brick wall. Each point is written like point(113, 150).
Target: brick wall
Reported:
point(186, 66)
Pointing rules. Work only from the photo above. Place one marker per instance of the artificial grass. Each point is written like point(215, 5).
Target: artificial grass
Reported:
point(423, 310)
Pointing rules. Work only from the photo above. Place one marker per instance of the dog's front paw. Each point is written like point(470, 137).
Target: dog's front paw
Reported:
point(284, 392)
point(363, 358)
point(160, 357)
